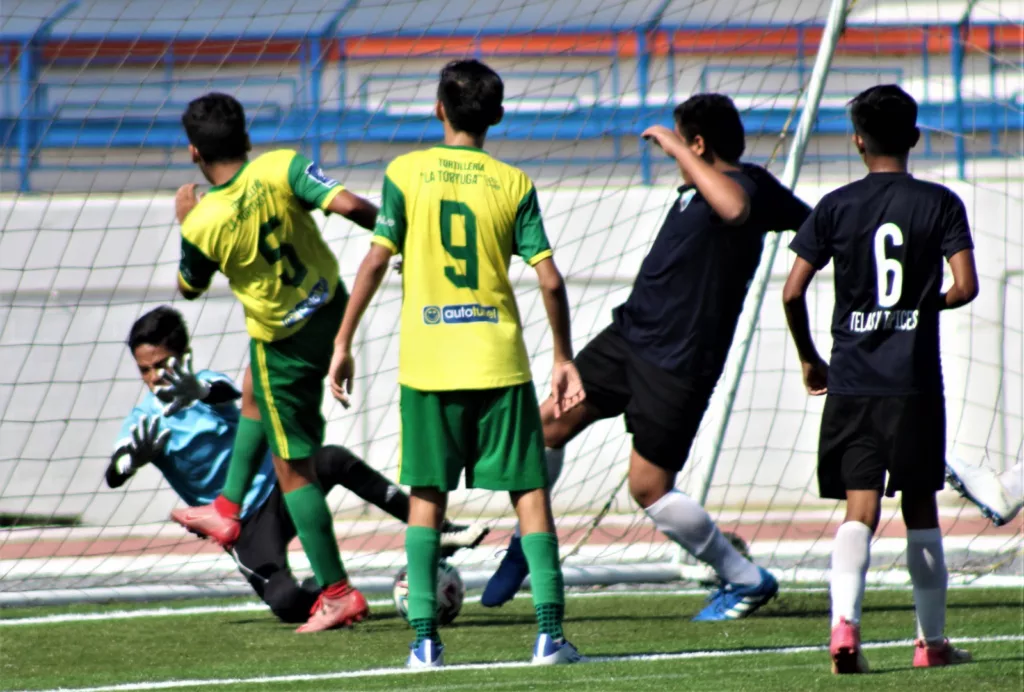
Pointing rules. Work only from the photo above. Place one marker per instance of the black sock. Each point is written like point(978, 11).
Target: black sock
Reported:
point(338, 466)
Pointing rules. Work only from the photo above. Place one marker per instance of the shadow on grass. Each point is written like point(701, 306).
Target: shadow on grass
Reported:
point(780, 609)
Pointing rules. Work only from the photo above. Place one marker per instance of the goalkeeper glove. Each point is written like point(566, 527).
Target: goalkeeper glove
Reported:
point(146, 444)
point(183, 388)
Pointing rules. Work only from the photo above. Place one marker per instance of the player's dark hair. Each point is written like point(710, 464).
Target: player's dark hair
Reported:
point(163, 326)
point(471, 94)
point(215, 125)
point(885, 117)
point(714, 117)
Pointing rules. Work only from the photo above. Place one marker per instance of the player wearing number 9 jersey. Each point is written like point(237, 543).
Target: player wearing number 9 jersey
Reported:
point(254, 226)
point(457, 215)
point(887, 236)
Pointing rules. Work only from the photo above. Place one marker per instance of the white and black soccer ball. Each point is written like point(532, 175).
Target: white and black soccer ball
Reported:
point(451, 592)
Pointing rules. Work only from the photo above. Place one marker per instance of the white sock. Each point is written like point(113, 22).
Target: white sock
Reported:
point(682, 519)
point(851, 555)
point(1013, 481)
point(554, 459)
point(927, 566)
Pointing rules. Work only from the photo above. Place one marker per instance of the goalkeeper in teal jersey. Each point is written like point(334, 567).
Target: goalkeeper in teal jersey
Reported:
point(185, 426)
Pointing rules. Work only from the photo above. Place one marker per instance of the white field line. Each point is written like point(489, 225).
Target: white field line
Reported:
point(255, 606)
point(388, 672)
point(182, 564)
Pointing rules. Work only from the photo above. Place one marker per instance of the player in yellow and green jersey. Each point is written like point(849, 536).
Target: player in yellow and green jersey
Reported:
point(254, 226)
point(467, 400)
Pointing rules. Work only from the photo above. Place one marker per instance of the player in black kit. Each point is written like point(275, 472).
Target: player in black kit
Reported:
point(659, 360)
point(887, 235)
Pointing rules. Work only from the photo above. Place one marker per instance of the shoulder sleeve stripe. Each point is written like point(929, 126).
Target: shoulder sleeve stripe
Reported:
point(540, 257)
point(384, 242)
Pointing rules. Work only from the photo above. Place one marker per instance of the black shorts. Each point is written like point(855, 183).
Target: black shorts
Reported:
point(663, 409)
point(865, 438)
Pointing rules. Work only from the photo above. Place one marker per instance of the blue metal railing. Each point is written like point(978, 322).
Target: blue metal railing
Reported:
point(33, 121)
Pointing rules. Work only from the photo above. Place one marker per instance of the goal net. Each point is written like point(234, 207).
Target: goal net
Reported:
point(92, 94)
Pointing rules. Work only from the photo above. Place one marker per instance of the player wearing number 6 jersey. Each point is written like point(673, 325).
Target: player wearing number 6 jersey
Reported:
point(887, 235)
point(254, 226)
point(467, 401)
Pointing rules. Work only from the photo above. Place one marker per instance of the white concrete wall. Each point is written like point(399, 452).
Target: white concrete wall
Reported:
point(76, 272)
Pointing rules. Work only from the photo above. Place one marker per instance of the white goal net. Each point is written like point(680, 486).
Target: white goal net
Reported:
point(90, 102)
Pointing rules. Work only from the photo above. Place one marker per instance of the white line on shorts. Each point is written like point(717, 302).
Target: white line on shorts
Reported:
point(387, 672)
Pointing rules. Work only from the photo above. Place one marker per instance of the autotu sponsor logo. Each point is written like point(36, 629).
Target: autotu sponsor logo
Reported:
point(460, 314)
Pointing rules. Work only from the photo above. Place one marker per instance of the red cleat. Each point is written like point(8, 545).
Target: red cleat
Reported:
point(847, 657)
point(331, 613)
point(945, 654)
point(207, 522)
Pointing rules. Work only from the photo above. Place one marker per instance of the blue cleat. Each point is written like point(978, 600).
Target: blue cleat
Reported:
point(732, 601)
point(429, 654)
point(553, 652)
point(506, 580)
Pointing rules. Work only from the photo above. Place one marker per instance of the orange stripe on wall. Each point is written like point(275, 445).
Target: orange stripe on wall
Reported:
point(710, 42)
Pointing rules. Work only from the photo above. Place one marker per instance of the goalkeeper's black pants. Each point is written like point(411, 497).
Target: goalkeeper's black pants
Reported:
point(262, 548)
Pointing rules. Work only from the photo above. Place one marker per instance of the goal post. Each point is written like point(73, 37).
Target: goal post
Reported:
point(90, 102)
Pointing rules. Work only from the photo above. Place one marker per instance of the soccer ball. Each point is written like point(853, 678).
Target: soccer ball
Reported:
point(450, 593)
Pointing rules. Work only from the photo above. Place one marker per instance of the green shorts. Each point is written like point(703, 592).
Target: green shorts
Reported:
point(288, 381)
point(494, 434)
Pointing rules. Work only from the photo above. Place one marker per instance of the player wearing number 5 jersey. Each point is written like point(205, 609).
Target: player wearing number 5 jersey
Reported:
point(254, 226)
point(467, 401)
point(887, 236)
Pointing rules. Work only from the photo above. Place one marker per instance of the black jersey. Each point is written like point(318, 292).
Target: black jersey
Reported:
point(888, 235)
point(682, 312)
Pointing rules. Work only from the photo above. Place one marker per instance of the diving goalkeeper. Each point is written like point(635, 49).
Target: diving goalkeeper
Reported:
point(185, 426)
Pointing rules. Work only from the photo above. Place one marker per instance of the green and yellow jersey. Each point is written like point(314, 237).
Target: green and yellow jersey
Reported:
point(457, 216)
point(257, 230)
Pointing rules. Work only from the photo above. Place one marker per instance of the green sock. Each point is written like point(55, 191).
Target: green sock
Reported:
point(315, 527)
point(423, 550)
point(247, 455)
point(541, 550)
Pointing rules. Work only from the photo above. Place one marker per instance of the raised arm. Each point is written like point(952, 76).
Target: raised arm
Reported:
point(727, 198)
point(356, 209)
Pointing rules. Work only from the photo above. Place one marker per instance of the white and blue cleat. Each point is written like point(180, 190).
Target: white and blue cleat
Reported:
point(982, 486)
point(429, 654)
point(553, 652)
point(734, 601)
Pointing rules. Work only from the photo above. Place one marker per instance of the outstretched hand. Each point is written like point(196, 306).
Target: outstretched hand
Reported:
point(183, 388)
point(146, 444)
point(667, 139)
point(566, 387)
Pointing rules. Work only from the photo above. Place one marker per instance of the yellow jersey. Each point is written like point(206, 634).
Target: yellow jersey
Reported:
point(257, 230)
point(457, 216)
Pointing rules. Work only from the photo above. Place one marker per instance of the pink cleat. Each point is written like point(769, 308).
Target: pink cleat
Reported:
point(847, 658)
point(329, 613)
point(207, 522)
point(945, 654)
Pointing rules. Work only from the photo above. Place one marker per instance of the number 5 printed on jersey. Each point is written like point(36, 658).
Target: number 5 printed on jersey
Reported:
point(466, 253)
point(273, 255)
point(888, 271)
